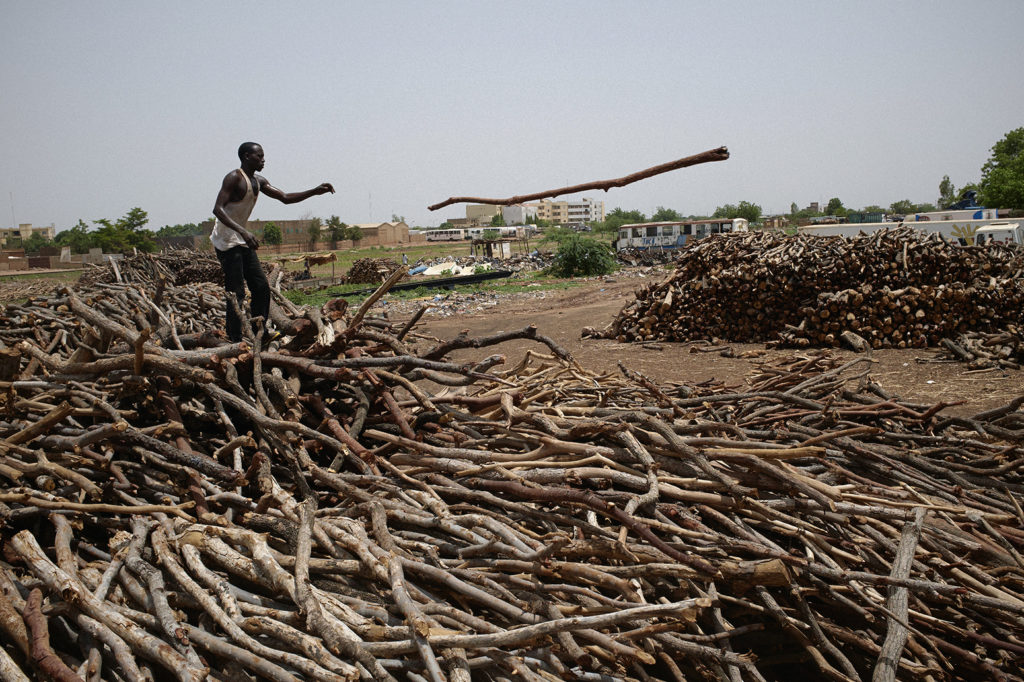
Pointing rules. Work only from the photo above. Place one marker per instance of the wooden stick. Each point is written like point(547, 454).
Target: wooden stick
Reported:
point(719, 154)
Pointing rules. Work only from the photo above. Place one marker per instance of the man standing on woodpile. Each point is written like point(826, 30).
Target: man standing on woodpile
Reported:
point(235, 245)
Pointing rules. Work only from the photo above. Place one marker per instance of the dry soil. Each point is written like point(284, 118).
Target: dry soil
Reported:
point(913, 375)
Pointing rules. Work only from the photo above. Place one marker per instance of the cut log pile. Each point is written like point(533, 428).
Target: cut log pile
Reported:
point(1004, 349)
point(638, 257)
point(895, 288)
point(371, 270)
point(175, 511)
point(178, 267)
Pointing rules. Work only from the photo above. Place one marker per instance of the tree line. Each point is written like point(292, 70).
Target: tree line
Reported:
point(129, 232)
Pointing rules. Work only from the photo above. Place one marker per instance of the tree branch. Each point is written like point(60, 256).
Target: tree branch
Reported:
point(720, 154)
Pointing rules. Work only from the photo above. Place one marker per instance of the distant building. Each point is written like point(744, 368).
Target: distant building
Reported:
point(384, 234)
point(578, 212)
point(481, 214)
point(518, 214)
point(23, 231)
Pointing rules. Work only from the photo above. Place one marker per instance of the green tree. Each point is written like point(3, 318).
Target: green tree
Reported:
point(794, 209)
point(947, 193)
point(272, 234)
point(902, 207)
point(124, 234)
point(109, 238)
point(77, 237)
point(744, 209)
point(617, 217)
point(581, 255)
point(353, 232)
point(35, 242)
point(666, 215)
point(180, 230)
point(316, 226)
point(490, 235)
point(395, 218)
point(1002, 176)
point(498, 220)
point(336, 228)
point(835, 207)
point(445, 226)
point(134, 220)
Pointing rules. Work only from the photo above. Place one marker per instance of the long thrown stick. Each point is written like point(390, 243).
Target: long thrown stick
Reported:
point(720, 154)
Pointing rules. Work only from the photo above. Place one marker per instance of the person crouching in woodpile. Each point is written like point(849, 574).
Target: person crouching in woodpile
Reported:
point(235, 245)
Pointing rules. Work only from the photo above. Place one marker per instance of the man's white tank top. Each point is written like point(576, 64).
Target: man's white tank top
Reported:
point(223, 237)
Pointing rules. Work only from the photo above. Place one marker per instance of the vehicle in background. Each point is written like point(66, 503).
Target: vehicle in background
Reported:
point(445, 235)
point(674, 234)
point(503, 231)
point(960, 230)
point(458, 234)
point(1000, 233)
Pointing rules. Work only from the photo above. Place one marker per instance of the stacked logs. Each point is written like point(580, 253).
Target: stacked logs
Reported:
point(648, 257)
point(179, 267)
point(371, 270)
point(1000, 350)
point(894, 288)
point(240, 512)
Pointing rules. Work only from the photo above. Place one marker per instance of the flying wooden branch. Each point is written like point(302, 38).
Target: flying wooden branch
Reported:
point(720, 154)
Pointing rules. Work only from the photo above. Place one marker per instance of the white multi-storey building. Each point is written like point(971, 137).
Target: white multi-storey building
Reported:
point(574, 212)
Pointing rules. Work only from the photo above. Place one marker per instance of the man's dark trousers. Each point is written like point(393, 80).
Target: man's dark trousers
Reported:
point(241, 267)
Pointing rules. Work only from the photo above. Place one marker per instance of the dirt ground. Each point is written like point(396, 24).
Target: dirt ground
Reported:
point(912, 375)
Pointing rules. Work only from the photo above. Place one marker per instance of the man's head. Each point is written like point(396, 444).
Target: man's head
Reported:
point(251, 155)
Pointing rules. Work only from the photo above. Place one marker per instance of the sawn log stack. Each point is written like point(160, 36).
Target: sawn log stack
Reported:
point(895, 288)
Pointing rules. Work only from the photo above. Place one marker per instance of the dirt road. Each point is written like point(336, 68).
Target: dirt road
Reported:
point(908, 374)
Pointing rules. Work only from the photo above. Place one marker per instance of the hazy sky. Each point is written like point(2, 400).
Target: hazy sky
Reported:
point(109, 105)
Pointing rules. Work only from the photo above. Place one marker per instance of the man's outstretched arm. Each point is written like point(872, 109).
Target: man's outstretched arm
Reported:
point(294, 197)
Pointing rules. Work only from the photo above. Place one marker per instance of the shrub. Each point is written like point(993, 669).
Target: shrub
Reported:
point(579, 255)
point(271, 234)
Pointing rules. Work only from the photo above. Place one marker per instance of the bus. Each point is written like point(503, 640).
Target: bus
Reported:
point(502, 231)
point(445, 235)
point(674, 234)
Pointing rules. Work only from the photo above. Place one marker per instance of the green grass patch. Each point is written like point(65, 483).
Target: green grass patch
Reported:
point(63, 277)
point(536, 282)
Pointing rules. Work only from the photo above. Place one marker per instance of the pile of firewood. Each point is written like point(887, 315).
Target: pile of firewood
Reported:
point(21, 289)
point(371, 270)
point(178, 267)
point(893, 288)
point(999, 350)
point(315, 510)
